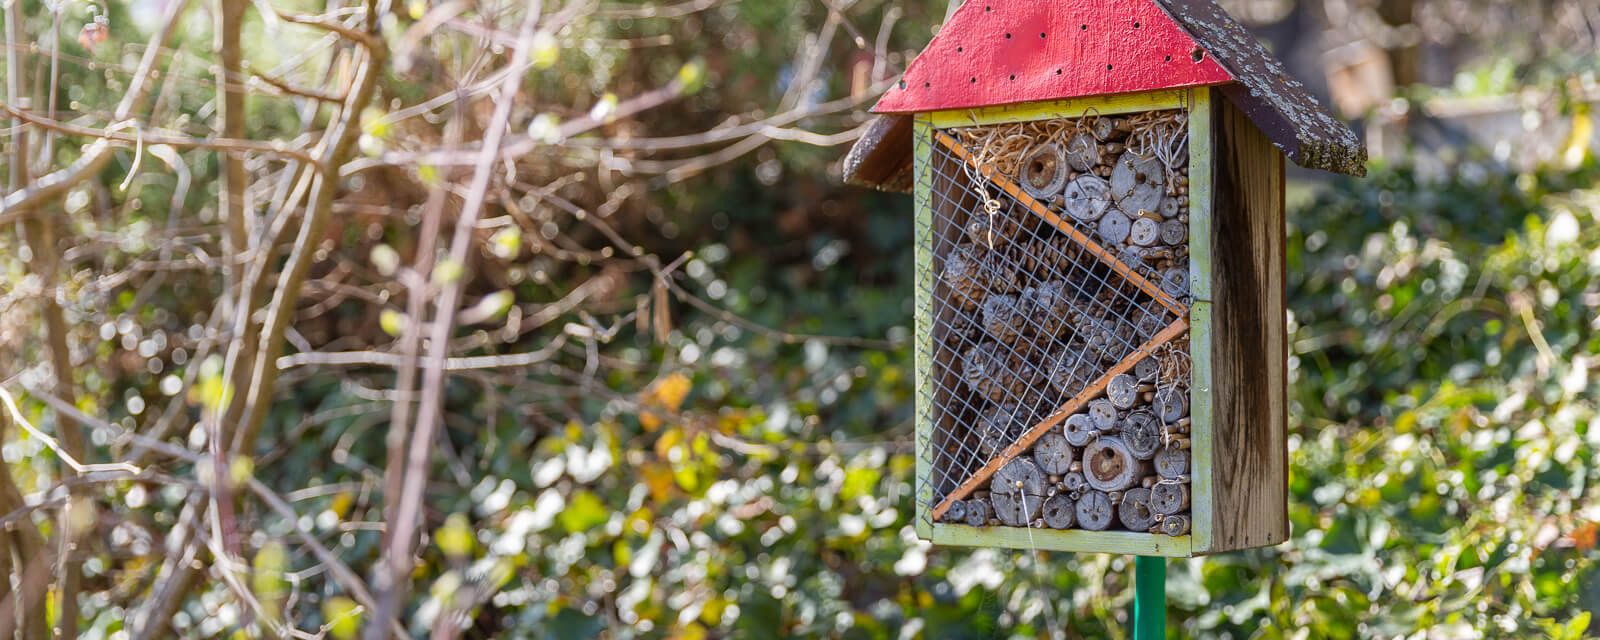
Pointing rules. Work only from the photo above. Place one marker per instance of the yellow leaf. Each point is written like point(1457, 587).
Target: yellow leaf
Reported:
point(545, 128)
point(1582, 135)
point(374, 122)
point(392, 322)
point(506, 243)
point(711, 614)
point(428, 174)
point(447, 271)
point(342, 501)
point(658, 479)
point(342, 617)
point(385, 259)
point(691, 77)
point(455, 536)
point(266, 576)
point(211, 392)
point(670, 440)
point(670, 391)
point(268, 567)
point(371, 146)
point(444, 589)
point(545, 52)
point(604, 108)
point(241, 469)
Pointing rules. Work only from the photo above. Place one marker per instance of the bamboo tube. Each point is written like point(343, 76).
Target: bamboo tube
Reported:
point(1169, 209)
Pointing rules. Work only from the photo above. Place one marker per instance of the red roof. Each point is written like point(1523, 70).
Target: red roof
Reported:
point(994, 52)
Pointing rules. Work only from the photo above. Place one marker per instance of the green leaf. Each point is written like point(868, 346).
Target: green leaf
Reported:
point(584, 512)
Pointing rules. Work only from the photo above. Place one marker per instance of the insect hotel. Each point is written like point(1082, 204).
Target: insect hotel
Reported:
point(1101, 332)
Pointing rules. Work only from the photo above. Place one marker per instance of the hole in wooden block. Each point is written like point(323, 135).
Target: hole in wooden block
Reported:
point(1197, 55)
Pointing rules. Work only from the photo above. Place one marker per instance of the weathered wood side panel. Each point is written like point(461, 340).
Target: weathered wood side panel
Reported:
point(923, 296)
point(1250, 470)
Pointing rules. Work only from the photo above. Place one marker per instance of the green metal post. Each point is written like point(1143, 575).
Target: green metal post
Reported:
point(1149, 598)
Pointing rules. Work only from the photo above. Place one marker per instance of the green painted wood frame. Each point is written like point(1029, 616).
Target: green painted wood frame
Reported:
point(1198, 103)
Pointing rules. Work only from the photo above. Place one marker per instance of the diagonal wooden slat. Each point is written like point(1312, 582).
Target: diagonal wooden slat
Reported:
point(1068, 408)
point(1105, 255)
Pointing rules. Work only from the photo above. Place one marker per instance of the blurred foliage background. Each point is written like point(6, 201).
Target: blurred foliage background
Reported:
point(740, 465)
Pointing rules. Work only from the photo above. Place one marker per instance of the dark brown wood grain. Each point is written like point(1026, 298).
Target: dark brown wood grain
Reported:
point(881, 158)
point(1249, 338)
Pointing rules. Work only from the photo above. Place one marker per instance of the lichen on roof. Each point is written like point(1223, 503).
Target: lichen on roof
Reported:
point(1280, 105)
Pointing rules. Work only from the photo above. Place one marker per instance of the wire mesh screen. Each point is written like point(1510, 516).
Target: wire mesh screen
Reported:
point(1058, 395)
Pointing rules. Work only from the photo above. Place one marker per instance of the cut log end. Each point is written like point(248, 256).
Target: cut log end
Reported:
point(1053, 454)
point(1044, 171)
point(977, 512)
point(1109, 465)
point(1172, 463)
point(1134, 510)
point(1169, 498)
point(1094, 511)
point(1175, 525)
point(1060, 512)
